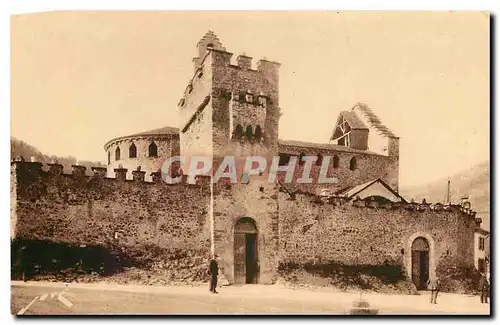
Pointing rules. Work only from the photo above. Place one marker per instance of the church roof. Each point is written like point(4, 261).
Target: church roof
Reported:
point(160, 131)
point(373, 119)
point(353, 120)
point(163, 131)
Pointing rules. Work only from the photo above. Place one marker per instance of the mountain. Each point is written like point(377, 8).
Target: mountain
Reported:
point(21, 148)
point(474, 183)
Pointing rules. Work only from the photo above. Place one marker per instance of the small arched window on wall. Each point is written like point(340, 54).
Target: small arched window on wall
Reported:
point(132, 151)
point(353, 164)
point(117, 153)
point(302, 155)
point(153, 150)
point(109, 157)
point(258, 133)
point(238, 132)
point(335, 161)
point(319, 160)
point(249, 132)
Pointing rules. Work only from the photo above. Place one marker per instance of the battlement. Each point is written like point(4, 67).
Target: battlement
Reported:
point(34, 170)
point(341, 201)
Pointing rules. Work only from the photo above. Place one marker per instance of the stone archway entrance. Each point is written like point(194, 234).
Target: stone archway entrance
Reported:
point(246, 263)
point(420, 262)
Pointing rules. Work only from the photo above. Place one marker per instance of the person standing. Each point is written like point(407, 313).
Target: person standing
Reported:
point(214, 272)
point(484, 287)
point(433, 285)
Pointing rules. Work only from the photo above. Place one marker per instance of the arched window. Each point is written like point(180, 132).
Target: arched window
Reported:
point(210, 45)
point(258, 133)
point(242, 97)
point(109, 157)
point(153, 150)
point(132, 151)
point(117, 153)
point(319, 161)
point(335, 161)
point(352, 163)
point(301, 162)
point(238, 131)
point(249, 132)
point(284, 159)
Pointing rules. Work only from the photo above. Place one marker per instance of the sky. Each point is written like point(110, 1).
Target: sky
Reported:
point(79, 79)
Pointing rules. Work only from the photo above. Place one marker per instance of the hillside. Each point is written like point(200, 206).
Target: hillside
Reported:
point(21, 148)
point(474, 183)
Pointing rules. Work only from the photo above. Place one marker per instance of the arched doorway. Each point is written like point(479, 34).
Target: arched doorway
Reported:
point(420, 262)
point(246, 266)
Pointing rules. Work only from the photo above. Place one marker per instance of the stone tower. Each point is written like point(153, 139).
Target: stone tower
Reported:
point(233, 110)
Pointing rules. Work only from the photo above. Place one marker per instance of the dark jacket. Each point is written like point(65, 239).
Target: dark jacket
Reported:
point(483, 283)
point(214, 268)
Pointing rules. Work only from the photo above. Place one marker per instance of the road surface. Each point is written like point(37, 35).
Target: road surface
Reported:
point(98, 299)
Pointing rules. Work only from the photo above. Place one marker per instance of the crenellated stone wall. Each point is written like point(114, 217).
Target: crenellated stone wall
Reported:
point(316, 230)
point(75, 209)
point(293, 227)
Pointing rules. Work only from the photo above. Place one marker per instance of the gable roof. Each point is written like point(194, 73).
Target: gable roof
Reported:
point(354, 191)
point(354, 122)
point(373, 119)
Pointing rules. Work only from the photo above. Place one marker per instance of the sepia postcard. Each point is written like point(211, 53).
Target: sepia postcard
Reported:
point(250, 163)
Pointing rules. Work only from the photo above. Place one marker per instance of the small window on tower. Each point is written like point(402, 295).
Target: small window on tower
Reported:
point(249, 132)
point(109, 157)
point(242, 97)
point(258, 133)
point(132, 151)
point(238, 132)
point(210, 45)
point(153, 150)
point(117, 153)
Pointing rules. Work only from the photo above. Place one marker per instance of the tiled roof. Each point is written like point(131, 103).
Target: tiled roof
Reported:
point(353, 120)
point(166, 130)
point(163, 130)
point(373, 119)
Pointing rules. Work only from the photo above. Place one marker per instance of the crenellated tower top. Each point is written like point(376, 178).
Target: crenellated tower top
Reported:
point(208, 41)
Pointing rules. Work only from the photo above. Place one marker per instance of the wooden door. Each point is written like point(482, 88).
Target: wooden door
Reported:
point(251, 258)
point(239, 258)
point(424, 269)
point(415, 268)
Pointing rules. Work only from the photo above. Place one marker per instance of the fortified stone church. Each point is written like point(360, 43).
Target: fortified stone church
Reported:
point(256, 228)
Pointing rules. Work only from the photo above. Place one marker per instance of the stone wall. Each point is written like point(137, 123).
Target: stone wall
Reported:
point(315, 231)
point(258, 201)
point(195, 109)
point(79, 210)
point(369, 166)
